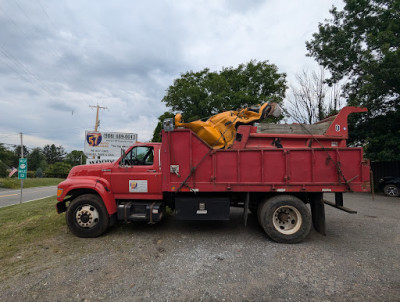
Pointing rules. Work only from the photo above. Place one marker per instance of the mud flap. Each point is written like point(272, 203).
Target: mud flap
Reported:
point(61, 207)
point(318, 212)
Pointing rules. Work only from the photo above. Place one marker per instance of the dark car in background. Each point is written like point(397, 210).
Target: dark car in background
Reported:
point(390, 186)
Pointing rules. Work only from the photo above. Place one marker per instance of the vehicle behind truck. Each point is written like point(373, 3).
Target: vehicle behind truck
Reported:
point(274, 171)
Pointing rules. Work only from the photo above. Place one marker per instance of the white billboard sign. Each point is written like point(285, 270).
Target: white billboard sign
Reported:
point(106, 146)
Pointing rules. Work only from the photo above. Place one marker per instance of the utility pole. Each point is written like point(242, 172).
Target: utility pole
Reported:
point(22, 156)
point(97, 115)
point(22, 146)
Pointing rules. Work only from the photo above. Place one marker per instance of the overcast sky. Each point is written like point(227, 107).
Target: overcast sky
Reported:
point(58, 57)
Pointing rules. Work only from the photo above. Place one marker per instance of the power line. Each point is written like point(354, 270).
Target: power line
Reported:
point(17, 66)
point(44, 11)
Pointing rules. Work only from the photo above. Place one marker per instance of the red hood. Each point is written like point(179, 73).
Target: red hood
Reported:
point(89, 170)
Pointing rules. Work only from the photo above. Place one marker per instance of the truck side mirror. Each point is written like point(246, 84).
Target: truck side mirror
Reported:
point(122, 156)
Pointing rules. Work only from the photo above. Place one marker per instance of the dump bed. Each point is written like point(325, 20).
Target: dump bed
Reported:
point(291, 159)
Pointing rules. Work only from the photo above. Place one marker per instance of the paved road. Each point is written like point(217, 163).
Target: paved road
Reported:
point(9, 197)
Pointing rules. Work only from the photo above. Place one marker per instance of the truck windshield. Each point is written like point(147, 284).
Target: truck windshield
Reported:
point(139, 156)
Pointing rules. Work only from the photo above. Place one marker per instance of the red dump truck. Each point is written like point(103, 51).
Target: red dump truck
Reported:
point(273, 171)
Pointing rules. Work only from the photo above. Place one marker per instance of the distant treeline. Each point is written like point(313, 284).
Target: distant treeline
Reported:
point(49, 161)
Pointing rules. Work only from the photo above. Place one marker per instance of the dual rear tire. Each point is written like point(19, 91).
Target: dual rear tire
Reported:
point(284, 218)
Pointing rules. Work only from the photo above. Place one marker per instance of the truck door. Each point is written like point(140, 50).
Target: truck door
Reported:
point(137, 175)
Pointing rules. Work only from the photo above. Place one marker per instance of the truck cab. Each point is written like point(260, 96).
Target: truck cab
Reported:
point(137, 174)
point(102, 193)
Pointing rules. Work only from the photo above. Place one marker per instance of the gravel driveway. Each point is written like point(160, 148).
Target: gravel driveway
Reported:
point(358, 260)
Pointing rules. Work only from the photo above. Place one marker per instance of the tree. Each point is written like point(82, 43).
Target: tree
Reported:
point(17, 152)
point(35, 159)
point(202, 94)
point(3, 169)
point(361, 43)
point(8, 157)
point(53, 154)
point(157, 131)
point(58, 169)
point(75, 158)
point(312, 99)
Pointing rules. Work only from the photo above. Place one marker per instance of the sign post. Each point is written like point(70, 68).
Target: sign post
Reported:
point(22, 172)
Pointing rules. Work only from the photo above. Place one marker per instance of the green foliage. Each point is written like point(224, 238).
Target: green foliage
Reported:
point(3, 169)
point(17, 151)
point(35, 158)
point(9, 158)
point(75, 158)
point(53, 154)
point(39, 160)
point(361, 43)
point(58, 169)
point(202, 94)
point(43, 165)
point(157, 131)
point(39, 173)
point(29, 174)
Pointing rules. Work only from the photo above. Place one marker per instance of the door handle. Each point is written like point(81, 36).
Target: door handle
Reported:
point(151, 170)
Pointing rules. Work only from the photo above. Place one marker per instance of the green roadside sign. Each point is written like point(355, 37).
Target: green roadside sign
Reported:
point(22, 168)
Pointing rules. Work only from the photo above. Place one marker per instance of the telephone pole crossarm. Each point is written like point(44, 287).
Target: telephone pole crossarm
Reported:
point(97, 115)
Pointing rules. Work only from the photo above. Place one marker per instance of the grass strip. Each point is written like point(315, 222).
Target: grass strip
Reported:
point(15, 183)
point(23, 224)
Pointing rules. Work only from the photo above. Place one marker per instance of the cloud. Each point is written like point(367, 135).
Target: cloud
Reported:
point(60, 57)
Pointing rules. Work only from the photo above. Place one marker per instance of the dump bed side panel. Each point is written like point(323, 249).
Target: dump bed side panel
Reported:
point(260, 169)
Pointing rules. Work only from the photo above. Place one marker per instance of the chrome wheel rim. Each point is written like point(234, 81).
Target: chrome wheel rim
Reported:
point(392, 191)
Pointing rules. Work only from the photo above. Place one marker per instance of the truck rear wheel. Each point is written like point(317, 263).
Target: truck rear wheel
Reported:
point(87, 216)
point(285, 218)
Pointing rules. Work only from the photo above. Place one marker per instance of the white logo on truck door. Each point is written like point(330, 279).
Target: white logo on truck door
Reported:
point(138, 186)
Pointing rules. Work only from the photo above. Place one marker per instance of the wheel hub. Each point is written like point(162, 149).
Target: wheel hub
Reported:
point(87, 216)
point(287, 220)
point(283, 217)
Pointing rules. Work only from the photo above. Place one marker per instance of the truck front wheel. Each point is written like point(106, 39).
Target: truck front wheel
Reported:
point(285, 218)
point(87, 216)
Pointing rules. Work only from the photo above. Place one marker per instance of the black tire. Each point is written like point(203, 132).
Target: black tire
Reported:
point(87, 216)
point(285, 218)
point(391, 190)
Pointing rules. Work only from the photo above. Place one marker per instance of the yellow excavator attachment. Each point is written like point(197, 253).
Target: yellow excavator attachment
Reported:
point(219, 131)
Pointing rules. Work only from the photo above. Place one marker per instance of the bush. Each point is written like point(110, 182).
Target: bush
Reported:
point(3, 169)
point(59, 169)
point(11, 183)
point(39, 173)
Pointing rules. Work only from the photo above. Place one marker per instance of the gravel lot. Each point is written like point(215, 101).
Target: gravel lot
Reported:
point(358, 260)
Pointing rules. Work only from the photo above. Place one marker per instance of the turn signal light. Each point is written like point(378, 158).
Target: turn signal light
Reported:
point(59, 192)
